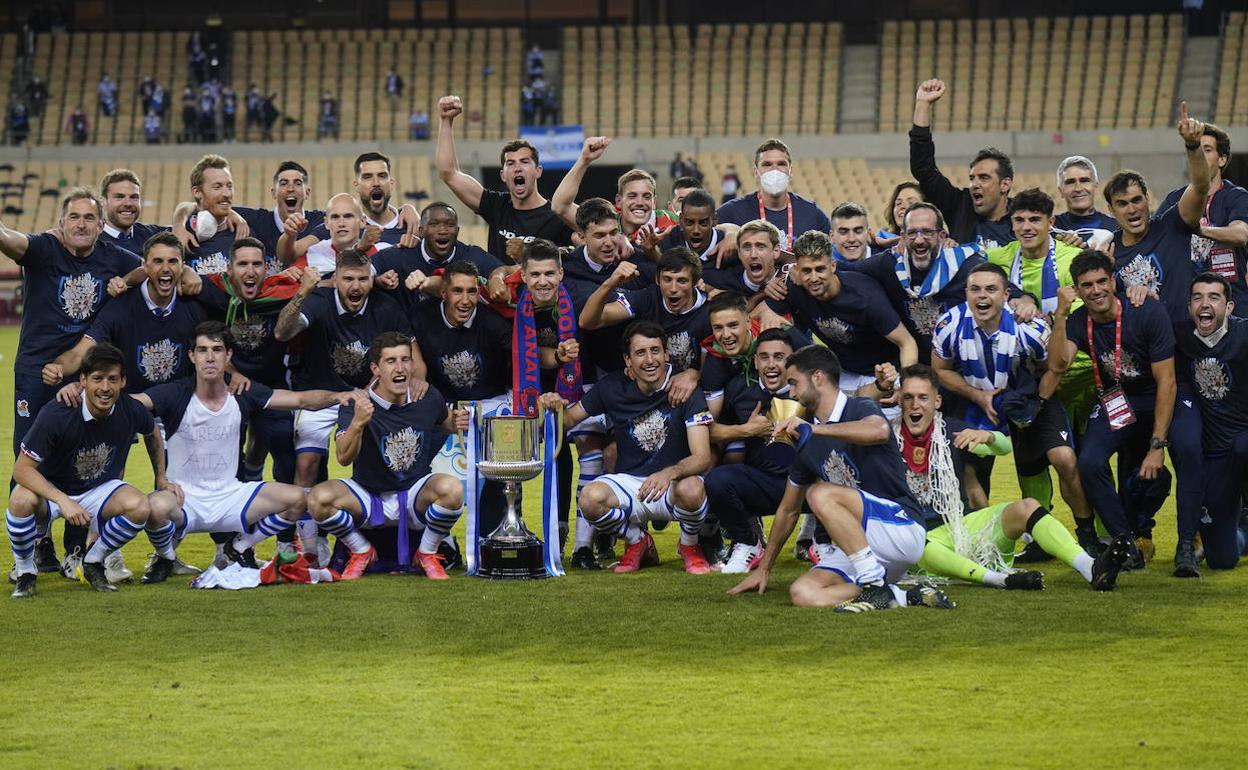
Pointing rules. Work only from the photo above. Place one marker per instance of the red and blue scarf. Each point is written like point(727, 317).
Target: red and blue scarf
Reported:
point(527, 367)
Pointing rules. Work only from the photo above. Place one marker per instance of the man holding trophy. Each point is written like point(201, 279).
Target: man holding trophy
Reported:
point(662, 450)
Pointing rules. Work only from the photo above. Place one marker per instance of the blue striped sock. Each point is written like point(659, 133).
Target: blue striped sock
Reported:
point(115, 533)
point(438, 523)
point(162, 540)
point(343, 527)
point(262, 530)
point(613, 522)
point(22, 536)
point(690, 522)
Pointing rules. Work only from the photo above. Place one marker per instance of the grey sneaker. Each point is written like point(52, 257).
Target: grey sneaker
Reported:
point(115, 568)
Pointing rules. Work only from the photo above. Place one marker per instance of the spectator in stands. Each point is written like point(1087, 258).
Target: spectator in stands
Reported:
point(550, 105)
point(229, 113)
point(190, 115)
point(678, 168)
point(327, 122)
point(19, 122)
point(978, 213)
point(36, 96)
point(207, 114)
point(160, 100)
point(197, 58)
point(255, 106)
point(78, 126)
point(152, 126)
point(419, 126)
point(535, 61)
point(394, 88)
point(729, 184)
point(528, 106)
point(107, 91)
point(268, 116)
point(790, 212)
point(214, 61)
point(695, 170)
point(146, 86)
point(1077, 183)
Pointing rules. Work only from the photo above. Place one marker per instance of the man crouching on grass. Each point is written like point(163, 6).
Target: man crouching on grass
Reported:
point(389, 437)
point(852, 476)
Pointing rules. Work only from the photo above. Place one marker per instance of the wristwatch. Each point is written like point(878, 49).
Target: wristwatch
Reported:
point(1157, 443)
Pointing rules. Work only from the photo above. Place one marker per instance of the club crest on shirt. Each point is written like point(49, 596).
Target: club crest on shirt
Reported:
point(921, 485)
point(462, 369)
point(159, 361)
point(1212, 378)
point(838, 470)
point(680, 350)
point(924, 313)
point(836, 330)
point(80, 295)
point(211, 264)
point(90, 463)
point(1202, 247)
point(402, 449)
point(1130, 367)
point(249, 334)
point(1144, 270)
point(349, 359)
point(23, 408)
point(650, 430)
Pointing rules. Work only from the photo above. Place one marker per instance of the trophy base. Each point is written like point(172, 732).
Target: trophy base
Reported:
point(512, 559)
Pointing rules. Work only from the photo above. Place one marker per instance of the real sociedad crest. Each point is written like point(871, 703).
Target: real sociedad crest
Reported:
point(650, 431)
point(1202, 247)
point(249, 334)
point(838, 470)
point(159, 361)
point(1143, 270)
point(1130, 367)
point(680, 350)
point(1212, 378)
point(348, 360)
point(836, 330)
point(402, 449)
point(211, 264)
point(90, 463)
point(924, 313)
point(462, 369)
point(80, 295)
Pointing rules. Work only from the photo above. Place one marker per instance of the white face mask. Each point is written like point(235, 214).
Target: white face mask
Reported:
point(774, 182)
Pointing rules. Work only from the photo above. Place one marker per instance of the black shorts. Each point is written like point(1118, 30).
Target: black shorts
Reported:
point(1049, 430)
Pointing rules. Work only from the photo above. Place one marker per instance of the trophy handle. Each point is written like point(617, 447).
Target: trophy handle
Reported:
point(541, 413)
point(460, 436)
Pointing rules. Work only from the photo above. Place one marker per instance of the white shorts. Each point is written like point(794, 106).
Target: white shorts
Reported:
point(93, 500)
point(626, 488)
point(384, 509)
point(896, 540)
point(219, 510)
point(313, 427)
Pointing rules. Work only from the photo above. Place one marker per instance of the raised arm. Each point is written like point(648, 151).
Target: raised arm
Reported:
point(347, 442)
point(466, 188)
point(599, 310)
point(291, 321)
point(563, 202)
point(1061, 350)
point(290, 246)
point(13, 244)
point(1192, 203)
point(907, 347)
point(936, 186)
point(68, 362)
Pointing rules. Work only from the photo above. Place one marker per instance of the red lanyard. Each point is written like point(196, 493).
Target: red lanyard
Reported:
point(1208, 202)
point(1096, 365)
point(762, 214)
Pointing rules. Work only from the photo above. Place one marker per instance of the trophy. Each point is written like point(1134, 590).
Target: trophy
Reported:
point(781, 451)
point(511, 453)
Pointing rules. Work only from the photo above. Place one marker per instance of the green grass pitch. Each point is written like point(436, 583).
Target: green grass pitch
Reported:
point(658, 669)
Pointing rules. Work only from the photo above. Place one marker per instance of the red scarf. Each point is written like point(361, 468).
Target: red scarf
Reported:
point(916, 451)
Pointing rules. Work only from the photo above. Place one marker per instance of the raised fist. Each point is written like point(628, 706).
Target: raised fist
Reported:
point(930, 90)
point(450, 107)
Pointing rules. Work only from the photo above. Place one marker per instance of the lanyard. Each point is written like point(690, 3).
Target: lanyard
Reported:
point(1208, 202)
point(762, 214)
point(1096, 366)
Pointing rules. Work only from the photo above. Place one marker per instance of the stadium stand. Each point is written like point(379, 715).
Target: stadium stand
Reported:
point(1232, 101)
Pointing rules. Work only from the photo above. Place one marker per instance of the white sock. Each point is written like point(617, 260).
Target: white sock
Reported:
point(584, 532)
point(867, 568)
point(1083, 565)
point(899, 594)
point(994, 578)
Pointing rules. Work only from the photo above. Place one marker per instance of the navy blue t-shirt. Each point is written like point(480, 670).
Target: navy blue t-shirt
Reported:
point(685, 331)
point(1220, 379)
point(169, 402)
point(78, 453)
point(876, 469)
point(676, 238)
point(649, 432)
point(63, 295)
point(399, 442)
point(1084, 223)
point(265, 227)
point(600, 348)
point(741, 397)
point(1147, 338)
point(212, 255)
point(403, 261)
point(718, 370)
point(1161, 261)
point(336, 343)
point(1229, 203)
point(806, 216)
point(132, 240)
point(257, 353)
point(854, 323)
point(466, 362)
point(156, 347)
point(732, 279)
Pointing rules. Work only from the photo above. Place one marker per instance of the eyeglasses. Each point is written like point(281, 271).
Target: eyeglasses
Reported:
point(924, 233)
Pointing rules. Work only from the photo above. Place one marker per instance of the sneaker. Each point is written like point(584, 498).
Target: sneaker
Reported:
point(14, 575)
point(1186, 565)
point(931, 596)
point(801, 551)
point(25, 585)
point(713, 548)
point(695, 562)
point(642, 553)
point(1135, 556)
point(72, 565)
point(583, 558)
point(875, 596)
point(819, 552)
point(1147, 548)
point(158, 571)
point(431, 565)
point(743, 558)
point(451, 557)
point(1024, 581)
point(604, 548)
point(357, 563)
point(660, 524)
point(45, 556)
point(322, 551)
point(115, 568)
point(182, 568)
point(1032, 553)
point(92, 574)
point(1107, 566)
point(245, 558)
